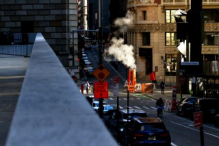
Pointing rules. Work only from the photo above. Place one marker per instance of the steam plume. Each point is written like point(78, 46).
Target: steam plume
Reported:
point(120, 51)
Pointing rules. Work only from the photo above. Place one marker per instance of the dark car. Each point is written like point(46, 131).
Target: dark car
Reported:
point(118, 120)
point(209, 107)
point(146, 131)
point(186, 106)
point(88, 45)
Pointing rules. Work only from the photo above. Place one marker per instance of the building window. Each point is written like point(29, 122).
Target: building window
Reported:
point(171, 64)
point(211, 38)
point(144, 15)
point(146, 39)
point(171, 39)
point(169, 16)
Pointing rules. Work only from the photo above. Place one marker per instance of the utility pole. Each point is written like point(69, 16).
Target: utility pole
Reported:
point(195, 34)
point(100, 53)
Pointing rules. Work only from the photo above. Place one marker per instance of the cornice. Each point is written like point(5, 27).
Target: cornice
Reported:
point(171, 27)
point(168, 27)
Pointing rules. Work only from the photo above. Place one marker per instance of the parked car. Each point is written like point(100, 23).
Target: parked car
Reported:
point(96, 104)
point(146, 131)
point(209, 107)
point(186, 106)
point(88, 45)
point(83, 55)
point(87, 63)
point(85, 58)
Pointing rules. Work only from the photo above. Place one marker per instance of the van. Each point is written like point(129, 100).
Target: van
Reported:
point(209, 107)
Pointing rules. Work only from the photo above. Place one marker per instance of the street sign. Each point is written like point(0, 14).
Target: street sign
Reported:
point(100, 89)
point(101, 73)
point(198, 119)
point(189, 63)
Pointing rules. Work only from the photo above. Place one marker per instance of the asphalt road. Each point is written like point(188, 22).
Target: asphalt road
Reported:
point(182, 130)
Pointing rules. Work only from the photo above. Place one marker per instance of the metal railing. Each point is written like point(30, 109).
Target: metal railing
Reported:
point(185, 2)
point(51, 111)
point(16, 46)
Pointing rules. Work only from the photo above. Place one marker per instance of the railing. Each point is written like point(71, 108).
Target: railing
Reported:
point(184, 2)
point(50, 110)
point(16, 46)
point(173, 2)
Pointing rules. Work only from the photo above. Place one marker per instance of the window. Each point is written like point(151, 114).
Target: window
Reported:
point(144, 15)
point(171, 39)
point(169, 16)
point(211, 38)
point(146, 39)
point(171, 64)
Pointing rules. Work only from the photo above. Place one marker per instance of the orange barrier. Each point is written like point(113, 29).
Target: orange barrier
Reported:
point(147, 88)
point(131, 88)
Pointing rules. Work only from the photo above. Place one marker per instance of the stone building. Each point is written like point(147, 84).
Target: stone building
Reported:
point(53, 18)
point(154, 36)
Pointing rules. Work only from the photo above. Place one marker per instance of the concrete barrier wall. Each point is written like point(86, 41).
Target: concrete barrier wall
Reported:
point(51, 111)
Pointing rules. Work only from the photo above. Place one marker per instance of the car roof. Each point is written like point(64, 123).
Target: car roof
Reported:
point(148, 120)
point(132, 111)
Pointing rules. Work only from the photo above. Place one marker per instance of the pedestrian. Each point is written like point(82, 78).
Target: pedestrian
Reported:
point(82, 88)
point(87, 87)
point(162, 86)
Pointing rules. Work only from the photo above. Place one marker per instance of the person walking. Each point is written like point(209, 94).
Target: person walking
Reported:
point(87, 87)
point(162, 86)
point(82, 88)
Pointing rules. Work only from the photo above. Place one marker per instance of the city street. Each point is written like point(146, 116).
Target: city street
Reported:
point(182, 130)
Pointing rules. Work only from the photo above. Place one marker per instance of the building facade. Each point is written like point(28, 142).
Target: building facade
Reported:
point(53, 18)
point(154, 37)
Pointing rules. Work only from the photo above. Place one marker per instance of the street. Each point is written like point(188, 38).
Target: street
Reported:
point(182, 130)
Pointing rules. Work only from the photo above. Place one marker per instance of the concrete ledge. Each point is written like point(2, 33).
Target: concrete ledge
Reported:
point(51, 111)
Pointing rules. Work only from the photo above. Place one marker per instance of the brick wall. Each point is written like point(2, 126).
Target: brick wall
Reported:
point(50, 17)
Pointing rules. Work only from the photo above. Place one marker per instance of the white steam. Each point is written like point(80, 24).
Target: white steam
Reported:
point(120, 51)
point(123, 23)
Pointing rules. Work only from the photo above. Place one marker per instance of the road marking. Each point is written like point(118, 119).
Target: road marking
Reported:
point(132, 99)
point(120, 107)
point(137, 107)
point(195, 129)
point(145, 107)
point(173, 144)
point(129, 107)
point(193, 123)
point(111, 99)
point(153, 107)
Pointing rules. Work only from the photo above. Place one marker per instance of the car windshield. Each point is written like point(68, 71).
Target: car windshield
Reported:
point(152, 127)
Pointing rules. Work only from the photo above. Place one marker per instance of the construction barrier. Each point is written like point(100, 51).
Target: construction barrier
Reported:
point(131, 88)
point(147, 88)
point(169, 105)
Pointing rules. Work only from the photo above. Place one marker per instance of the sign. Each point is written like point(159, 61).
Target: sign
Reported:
point(100, 89)
point(116, 86)
point(189, 63)
point(101, 73)
point(198, 119)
